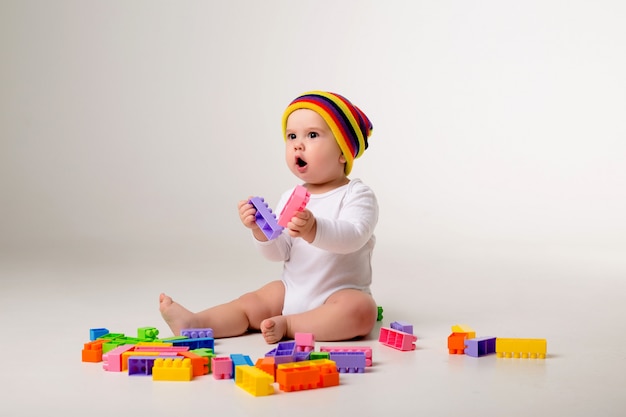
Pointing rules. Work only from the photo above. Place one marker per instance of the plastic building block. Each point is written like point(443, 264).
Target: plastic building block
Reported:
point(204, 353)
point(521, 348)
point(222, 367)
point(197, 333)
point(365, 349)
point(397, 339)
point(402, 326)
point(464, 328)
point(349, 362)
point(265, 219)
point(319, 355)
point(239, 360)
point(303, 356)
point(298, 376)
point(456, 343)
point(480, 346)
point(305, 342)
point(92, 351)
point(285, 352)
point(380, 314)
point(149, 333)
point(267, 365)
point(142, 365)
point(254, 380)
point(197, 343)
point(174, 369)
point(165, 349)
point(297, 202)
point(113, 358)
point(199, 364)
point(97, 332)
point(130, 353)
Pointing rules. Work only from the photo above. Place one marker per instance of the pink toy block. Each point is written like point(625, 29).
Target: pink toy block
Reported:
point(397, 339)
point(113, 358)
point(305, 342)
point(222, 367)
point(297, 202)
point(163, 349)
point(365, 349)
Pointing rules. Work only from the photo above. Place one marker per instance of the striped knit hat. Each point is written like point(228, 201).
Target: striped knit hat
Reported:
point(349, 124)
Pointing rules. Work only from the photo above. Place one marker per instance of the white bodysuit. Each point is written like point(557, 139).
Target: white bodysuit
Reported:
point(338, 258)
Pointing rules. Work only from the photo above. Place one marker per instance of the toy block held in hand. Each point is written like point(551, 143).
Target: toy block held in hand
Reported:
point(265, 219)
point(297, 202)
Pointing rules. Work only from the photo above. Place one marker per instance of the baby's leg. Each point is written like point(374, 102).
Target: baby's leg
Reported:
point(230, 319)
point(345, 315)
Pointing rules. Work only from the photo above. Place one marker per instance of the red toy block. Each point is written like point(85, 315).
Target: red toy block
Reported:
point(397, 339)
point(297, 202)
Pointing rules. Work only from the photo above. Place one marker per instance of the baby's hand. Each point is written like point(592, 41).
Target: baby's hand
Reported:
point(303, 225)
point(247, 214)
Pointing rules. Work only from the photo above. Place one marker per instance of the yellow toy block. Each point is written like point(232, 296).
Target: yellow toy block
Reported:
point(521, 348)
point(463, 328)
point(254, 380)
point(175, 369)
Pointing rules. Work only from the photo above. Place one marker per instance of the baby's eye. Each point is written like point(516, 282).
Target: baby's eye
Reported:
point(291, 136)
point(313, 135)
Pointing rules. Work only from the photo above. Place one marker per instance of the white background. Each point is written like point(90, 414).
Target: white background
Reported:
point(129, 130)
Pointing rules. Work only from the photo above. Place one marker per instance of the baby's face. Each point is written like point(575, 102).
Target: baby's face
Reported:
point(311, 151)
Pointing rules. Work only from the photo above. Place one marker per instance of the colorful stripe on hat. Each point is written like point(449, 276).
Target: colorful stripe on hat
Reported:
point(347, 122)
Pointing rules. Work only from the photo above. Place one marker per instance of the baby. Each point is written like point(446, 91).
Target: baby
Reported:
point(326, 249)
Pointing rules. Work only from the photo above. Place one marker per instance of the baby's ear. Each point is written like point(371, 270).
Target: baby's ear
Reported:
point(342, 159)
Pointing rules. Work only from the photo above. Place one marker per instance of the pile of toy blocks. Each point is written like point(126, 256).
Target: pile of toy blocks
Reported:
point(463, 340)
point(293, 365)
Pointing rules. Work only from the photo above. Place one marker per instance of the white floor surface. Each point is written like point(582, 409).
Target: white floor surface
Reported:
point(50, 301)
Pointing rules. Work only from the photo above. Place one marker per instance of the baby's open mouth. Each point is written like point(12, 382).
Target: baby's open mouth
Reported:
point(300, 162)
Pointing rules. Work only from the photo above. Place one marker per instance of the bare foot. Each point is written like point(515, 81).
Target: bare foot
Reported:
point(175, 315)
point(274, 329)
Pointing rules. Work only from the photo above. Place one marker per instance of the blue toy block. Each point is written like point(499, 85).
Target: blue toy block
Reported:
point(239, 359)
point(96, 333)
point(480, 346)
point(349, 362)
point(265, 219)
point(197, 343)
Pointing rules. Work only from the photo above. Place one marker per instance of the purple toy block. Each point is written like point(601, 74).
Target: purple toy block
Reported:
point(285, 352)
point(142, 365)
point(480, 346)
point(349, 362)
point(303, 356)
point(265, 219)
point(197, 333)
point(402, 326)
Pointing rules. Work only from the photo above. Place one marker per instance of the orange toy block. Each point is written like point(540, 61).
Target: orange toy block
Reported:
point(92, 351)
point(296, 376)
point(456, 343)
point(267, 365)
point(199, 364)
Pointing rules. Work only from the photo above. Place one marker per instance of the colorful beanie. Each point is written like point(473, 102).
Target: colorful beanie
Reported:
point(349, 124)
